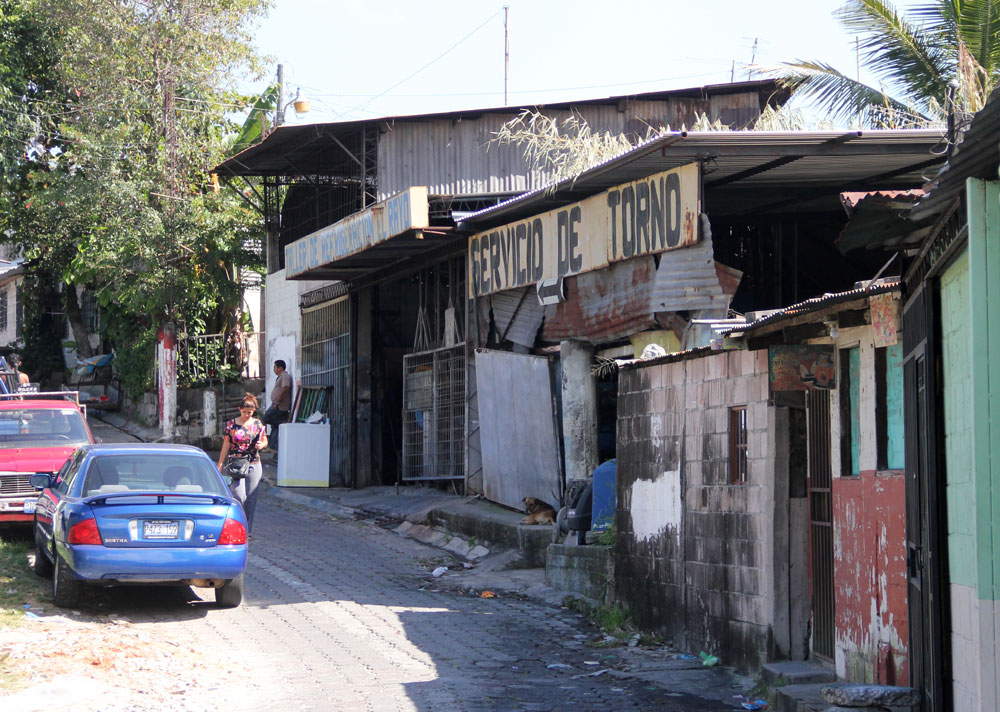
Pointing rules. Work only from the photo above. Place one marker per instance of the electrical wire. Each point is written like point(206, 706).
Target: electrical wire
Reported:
point(408, 78)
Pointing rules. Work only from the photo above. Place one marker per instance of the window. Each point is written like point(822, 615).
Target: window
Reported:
point(889, 432)
point(850, 412)
point(738, 445)
point(18, 312)
point(89, 312)
point(3, 308)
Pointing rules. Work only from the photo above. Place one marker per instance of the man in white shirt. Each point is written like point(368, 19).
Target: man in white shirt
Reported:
point(281, 404)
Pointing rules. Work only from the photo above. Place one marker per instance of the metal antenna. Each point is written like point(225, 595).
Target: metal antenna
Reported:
point(506, 54)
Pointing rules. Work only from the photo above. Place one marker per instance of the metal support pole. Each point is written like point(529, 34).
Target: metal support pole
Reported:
point(279, 112)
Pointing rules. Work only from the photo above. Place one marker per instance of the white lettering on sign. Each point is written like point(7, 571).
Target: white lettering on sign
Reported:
point(357, 232)
point(653, 215)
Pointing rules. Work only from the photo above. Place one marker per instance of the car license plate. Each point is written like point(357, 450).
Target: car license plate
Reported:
point(29, 506)
point(155, 529)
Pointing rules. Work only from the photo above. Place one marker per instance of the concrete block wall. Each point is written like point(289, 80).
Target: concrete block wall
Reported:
point(581, 570)
point(283, 323)
point(692, 554)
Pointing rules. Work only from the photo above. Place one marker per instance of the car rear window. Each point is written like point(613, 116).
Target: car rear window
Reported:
point(39, 427)
point(109, 474)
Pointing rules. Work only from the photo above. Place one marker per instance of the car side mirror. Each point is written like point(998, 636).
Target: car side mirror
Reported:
point(40, 480)
point(98, 441)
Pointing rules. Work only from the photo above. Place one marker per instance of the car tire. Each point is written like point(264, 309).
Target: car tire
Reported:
point(65, 589)
point(43, 564)
point(230, 594)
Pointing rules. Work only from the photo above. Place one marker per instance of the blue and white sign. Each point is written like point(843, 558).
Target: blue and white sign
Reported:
point(356, 233)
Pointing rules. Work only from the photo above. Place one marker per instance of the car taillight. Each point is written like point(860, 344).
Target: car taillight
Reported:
point(84, 532)
point(233, 532)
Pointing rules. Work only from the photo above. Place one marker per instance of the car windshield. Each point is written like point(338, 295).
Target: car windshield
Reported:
point(42, 427)
point(157, 472)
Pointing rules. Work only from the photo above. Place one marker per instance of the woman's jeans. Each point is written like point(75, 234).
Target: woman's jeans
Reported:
point(245, 490)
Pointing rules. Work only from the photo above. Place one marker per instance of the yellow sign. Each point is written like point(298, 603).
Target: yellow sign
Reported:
point(652, 215)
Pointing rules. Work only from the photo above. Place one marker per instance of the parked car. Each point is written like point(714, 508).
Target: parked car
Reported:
point(38, 432)
point(139, 514)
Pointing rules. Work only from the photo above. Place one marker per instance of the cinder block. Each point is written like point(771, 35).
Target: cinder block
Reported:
point(738, 390)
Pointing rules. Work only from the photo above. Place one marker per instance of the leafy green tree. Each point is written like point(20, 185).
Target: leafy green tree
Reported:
point(115, 196)
point(940, 56)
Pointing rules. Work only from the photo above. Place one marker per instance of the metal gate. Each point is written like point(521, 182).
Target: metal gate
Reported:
point(924, 535)
point(434, 414)
point(326, 362)
point(821, 525)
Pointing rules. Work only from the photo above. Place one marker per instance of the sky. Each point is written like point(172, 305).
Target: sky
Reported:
point(363, 60)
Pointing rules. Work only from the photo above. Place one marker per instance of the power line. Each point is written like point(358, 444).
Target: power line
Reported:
point(408, 78)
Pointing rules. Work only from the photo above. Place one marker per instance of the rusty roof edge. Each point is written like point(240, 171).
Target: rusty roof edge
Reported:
point(631, 364)
point(812, 305)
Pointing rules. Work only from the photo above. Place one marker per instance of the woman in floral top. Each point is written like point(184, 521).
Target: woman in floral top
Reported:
point(244, 437)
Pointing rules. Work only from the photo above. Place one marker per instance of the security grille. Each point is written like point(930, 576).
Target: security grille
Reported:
point(326, 361)
point(821, 525)
point(434, 414)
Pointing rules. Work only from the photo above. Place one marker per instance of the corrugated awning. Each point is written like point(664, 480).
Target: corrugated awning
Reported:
point(977, 156)
point(748, 170)
point(880, 221)
point(811, 305)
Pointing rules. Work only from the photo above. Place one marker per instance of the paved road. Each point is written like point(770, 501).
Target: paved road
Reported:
point(343, 615)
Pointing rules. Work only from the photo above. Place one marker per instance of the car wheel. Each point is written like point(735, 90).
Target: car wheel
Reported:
point(43, 564)
point(230, 594)
point(65, 589)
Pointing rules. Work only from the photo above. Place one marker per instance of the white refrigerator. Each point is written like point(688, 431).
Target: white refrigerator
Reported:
point(304, 455)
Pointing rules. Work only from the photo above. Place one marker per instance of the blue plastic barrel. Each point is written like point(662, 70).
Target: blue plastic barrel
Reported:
point(604, 495)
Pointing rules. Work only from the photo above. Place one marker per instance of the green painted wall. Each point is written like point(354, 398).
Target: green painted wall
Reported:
point(957, 376)
point(984, 291)
point(895, 427)
point(854, 391)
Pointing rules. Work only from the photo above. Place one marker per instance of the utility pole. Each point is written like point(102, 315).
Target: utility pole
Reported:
point(506, 54)
point(279, 113)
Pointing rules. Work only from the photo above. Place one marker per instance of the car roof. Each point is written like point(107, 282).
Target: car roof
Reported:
point(101, 449)
point(17, 404)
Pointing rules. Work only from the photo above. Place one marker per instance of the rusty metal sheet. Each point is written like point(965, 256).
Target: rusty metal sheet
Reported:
point(520, 450)
point(518, 315)
point(691, 280)
point(605, 305)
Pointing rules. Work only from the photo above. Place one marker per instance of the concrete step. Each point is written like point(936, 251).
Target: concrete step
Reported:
point(800, 698)
point(798, 672)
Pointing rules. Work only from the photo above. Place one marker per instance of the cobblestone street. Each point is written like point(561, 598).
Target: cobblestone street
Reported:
point(342, 614)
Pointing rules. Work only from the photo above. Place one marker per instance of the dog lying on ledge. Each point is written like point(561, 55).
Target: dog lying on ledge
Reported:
point(538, 512)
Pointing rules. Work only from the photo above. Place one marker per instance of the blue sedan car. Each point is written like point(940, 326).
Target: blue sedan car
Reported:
point(139, 514)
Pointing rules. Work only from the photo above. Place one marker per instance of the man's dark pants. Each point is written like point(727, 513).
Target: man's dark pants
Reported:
point(273, 416)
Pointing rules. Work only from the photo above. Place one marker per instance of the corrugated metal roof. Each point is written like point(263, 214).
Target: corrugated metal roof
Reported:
point(605, 305)
point(908, 197)
point(977, 156)
point(292, 150)
point(815, 304)
point(822, 160)
point(518, 315)
point(880, 220)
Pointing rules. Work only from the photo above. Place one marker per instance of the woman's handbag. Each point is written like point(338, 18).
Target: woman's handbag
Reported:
point(238, 467)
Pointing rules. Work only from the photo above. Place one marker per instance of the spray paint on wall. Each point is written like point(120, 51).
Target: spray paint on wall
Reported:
point(656, 506)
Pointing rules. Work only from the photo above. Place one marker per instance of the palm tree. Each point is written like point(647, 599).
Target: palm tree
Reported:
point(944, 56)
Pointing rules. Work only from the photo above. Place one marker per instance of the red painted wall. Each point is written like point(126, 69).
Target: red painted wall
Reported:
point(869, 566)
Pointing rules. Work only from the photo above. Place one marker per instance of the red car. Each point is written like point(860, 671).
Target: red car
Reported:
point(36, 436)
